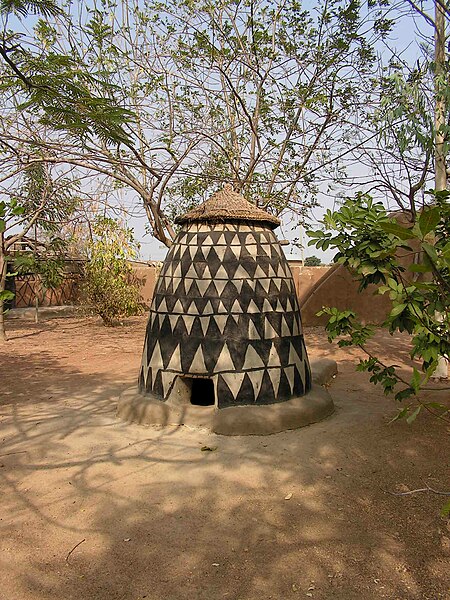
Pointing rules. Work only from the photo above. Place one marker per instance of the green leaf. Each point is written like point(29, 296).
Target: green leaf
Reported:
point(431, 251)
point(17, 211)
point(2, 225)
point(416, 380)
point(446, 251)
point(412, 417)
point(419, 268)
point(395, 229)
point(397, 310)
point(400, 415)
point(445, 510)
point(429, 219)
point(368, 270)
point(6, 295)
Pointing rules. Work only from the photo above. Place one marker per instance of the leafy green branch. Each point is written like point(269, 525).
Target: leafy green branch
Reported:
point(369, 242)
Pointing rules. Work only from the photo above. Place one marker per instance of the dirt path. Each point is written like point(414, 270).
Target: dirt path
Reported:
point(157, 518)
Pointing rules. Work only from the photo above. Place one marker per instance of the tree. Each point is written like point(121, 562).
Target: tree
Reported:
point(276, 103)
point(426, 116)
point(37, 203)
point(170, 100)
point(312, 261)
point(371, 244)
point(406, 121)
point(65, 104)
point(47, 264)
point(108, 285)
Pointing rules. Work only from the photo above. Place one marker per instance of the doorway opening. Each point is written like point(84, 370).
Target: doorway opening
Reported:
point(202, 391)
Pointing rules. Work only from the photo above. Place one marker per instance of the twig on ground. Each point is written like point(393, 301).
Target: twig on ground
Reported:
point(74, 548)
point(425, 489)
point(18, 452)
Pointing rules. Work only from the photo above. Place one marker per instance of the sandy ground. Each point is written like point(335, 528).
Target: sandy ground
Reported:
point(155, 517)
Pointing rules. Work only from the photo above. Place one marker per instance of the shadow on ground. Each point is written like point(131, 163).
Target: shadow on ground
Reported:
point(159, 518)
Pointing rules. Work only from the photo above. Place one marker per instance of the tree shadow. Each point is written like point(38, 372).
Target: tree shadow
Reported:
point(161, 519)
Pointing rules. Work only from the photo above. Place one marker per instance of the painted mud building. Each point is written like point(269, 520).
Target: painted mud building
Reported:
point(224, 326)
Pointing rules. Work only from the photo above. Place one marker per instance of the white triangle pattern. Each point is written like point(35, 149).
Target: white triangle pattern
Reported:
point(252, 359)
point(256, 378)
point(238, 285)
point(236, 308)
point(294, 358)
point(289, 372)
point(220, 284)
point(259, 244)
point(191, 273)
point(252, 331)
point(224, 361)
point(192, 309)
point(156, 358)
point(188, 284)
point(252, 308)
point(234, 382)
point(274, 359)
point(275, 375)
point(220, 251)
point(204, 324)
point(265, 282)
point(198, 363)
point(221, 273)
point(241, 273)
point(173, 321)
point(208, 310)
point(175, 360)
point(178, 308)
point(222, 309)
point(267, 308)
point(285, 332)
point(259, 273)
point(221, 321)
point(188, 322)
point(167, 380)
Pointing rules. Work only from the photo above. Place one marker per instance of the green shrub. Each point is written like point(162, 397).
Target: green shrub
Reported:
point(109, 286)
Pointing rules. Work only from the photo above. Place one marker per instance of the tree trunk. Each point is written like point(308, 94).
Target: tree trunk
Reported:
point(440, 169)
point(37, 292)
point(3, 268)
point(440, 173)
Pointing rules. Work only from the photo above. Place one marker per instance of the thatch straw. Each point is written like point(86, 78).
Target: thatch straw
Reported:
point(228, 205)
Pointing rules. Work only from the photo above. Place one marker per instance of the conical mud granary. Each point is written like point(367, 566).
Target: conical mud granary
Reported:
point(224, 329)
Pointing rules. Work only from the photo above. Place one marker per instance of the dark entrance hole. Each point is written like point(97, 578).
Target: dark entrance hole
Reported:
point(202, 392)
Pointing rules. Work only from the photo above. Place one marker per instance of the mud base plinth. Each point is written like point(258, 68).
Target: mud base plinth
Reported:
point(146, 409)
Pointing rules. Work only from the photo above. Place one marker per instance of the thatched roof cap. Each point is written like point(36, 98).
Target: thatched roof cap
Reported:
point(228, 205)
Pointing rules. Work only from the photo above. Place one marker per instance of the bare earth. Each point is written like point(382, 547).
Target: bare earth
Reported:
point(155, 517)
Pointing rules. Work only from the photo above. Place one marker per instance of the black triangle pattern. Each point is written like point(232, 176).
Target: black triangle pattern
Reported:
point(244, 331)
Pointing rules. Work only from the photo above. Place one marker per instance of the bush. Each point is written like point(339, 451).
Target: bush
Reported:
point(109, 287)
point(312, 261)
